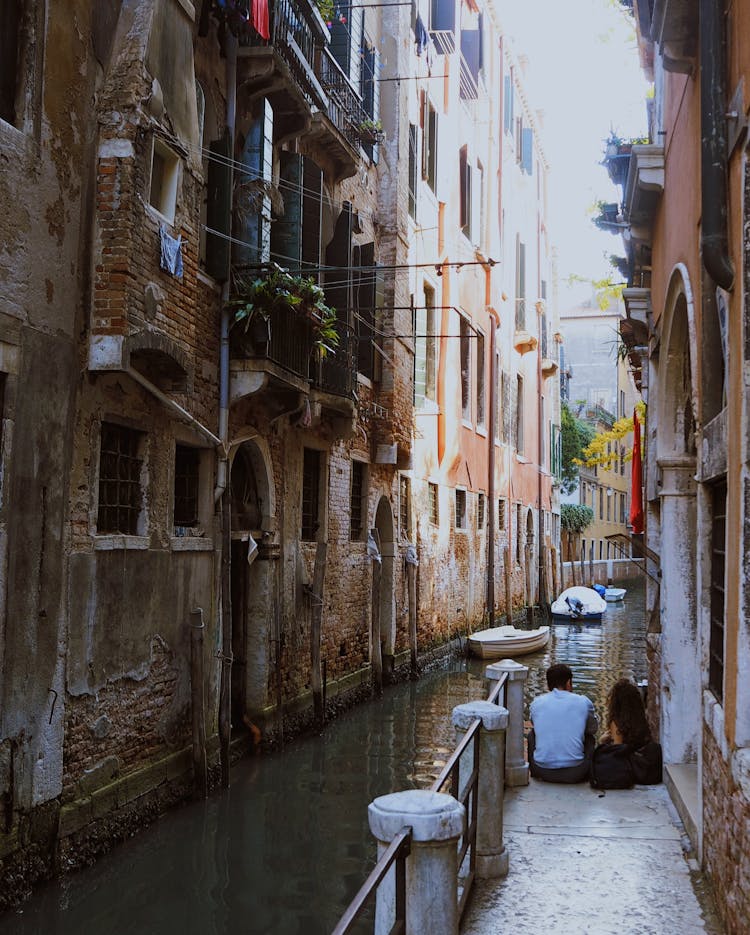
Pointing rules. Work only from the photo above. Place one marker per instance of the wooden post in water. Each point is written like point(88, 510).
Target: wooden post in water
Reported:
point(591, 565)
point(508, 586)
point(377, 650)
point(583, 564)
point(316, 680)
point(411, 580)
point(197, 698)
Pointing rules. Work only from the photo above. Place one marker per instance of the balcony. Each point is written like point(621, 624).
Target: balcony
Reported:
point(674, 28)
point(282, 68)
point(338, 126)
point(274, 354)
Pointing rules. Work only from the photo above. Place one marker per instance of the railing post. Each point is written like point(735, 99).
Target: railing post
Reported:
point(437, 821)
point(516, 767)
point(491, 855)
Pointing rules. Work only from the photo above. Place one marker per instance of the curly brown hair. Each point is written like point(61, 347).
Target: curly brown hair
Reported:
point(625, 709)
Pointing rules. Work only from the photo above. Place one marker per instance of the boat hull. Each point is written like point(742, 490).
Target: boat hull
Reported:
point(579, 604)
point(614, 594)
point(506, 642)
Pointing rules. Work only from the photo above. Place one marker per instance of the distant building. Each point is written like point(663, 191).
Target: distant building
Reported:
point(600, 391)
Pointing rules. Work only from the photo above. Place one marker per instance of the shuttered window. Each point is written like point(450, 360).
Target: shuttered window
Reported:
point(718, 568)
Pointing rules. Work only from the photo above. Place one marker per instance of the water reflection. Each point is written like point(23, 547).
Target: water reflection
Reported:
point(285, 849)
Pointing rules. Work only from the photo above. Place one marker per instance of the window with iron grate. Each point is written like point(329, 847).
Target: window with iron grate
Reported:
point(432, 494)
point(120, 486)
point(356, 501)
point(186, 485)
point(311, 494)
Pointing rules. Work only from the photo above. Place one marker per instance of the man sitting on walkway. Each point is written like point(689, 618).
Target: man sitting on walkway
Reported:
point(563, 734)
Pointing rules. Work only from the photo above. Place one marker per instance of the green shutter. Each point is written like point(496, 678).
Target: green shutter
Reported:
point(286, 230)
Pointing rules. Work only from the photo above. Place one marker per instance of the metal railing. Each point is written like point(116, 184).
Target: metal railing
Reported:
point(397, 852)
point(336, 373)
point(346, 110)
point(400, 846)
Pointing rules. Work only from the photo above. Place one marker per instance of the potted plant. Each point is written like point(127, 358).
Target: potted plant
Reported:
point(370, 131)
point(256, 300)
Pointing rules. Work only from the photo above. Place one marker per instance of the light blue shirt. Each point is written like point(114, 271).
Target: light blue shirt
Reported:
point(560, 719)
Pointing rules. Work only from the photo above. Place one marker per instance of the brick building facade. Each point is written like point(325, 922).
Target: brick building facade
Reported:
point(160, 465)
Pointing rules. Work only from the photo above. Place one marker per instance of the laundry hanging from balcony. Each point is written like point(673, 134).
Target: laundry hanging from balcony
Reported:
point(241, 13)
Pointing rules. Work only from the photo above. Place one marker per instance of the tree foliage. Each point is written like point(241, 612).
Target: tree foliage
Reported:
point(576, 435)
point(574, 518)
point(603, 449)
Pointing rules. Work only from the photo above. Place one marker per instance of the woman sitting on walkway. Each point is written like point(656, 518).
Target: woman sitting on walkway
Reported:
point(626, 716)
point(627, 754)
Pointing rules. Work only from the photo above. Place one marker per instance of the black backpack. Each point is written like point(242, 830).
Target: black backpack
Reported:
point(620, 766)
point(612, 767)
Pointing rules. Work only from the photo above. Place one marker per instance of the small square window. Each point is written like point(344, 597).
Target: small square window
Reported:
point(120, 489)
point(165, 168)
point(460, 509)
point(432, 492)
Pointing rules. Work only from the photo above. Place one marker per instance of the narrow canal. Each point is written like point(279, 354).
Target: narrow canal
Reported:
point(285, 849)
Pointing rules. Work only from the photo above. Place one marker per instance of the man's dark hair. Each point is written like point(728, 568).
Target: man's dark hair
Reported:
point(559, 675)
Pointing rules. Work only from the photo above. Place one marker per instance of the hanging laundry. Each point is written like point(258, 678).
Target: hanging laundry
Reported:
point(421, 36)
point(259, 18)
point(171, 252)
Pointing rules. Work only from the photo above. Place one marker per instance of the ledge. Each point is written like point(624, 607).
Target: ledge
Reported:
point(111, 543)
point(191, 544)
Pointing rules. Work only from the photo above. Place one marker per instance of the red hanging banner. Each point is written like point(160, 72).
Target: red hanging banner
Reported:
point(636, 477)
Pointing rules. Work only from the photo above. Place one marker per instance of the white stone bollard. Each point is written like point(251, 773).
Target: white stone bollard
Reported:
point(437, 821)
point(516, 767)
point(491, 855)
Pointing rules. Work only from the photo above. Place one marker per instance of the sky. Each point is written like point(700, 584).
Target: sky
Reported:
point(584, 75)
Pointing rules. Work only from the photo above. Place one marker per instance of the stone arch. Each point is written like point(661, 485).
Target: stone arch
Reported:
point(253, 511)
point(386, 530)
point(677, 525)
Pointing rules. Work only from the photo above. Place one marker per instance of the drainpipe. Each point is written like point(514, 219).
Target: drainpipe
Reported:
point(714, 236)
point(183, 414)
point(491, 505)
point(222, 491)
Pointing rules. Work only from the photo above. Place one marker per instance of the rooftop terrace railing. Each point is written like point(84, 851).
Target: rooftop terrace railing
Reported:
point(430, 837)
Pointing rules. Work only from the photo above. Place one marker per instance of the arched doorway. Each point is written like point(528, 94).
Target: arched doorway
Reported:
point(385, 528)
point(680, 676)
point(253, 577)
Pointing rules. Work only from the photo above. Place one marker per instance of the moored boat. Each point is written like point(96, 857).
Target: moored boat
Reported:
point(578, 603)
point(614, 594)
point(506, 641)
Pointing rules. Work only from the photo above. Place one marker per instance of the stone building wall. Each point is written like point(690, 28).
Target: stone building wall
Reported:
point(726, 836)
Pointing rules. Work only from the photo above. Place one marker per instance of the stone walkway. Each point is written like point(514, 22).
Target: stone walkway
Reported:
point(585, 862)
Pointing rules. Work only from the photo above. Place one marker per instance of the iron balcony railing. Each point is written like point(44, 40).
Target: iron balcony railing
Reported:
point(346, 110)
point(296, 33)
point(336, 372)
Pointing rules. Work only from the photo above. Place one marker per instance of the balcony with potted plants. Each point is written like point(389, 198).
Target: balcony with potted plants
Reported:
point(280, 330)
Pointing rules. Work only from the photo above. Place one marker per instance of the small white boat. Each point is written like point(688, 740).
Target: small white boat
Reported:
point(579, 603)
point(502, 642)
point(614, 594)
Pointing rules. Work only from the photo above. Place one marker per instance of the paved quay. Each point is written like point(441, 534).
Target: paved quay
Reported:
point(586, 862)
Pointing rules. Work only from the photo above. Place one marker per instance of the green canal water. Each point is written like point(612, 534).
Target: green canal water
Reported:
point(287, 846)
